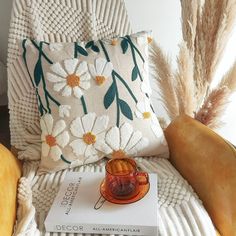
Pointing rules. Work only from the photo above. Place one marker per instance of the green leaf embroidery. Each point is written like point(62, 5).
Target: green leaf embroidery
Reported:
point(109, 96)
point(38, 72)
point(64, 159)
point(124, 45)
point(84, 105)
point(40, 106)
point(95, 48)
point(134, 50)
point(25, 61)
point(125, 109)
point(134, 73)
point(82, 51)
point(89, 44)
point(39, 48)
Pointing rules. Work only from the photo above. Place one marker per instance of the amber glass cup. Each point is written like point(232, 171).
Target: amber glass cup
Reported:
point(123, 180)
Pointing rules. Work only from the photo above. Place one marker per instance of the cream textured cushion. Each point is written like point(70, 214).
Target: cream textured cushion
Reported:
point(93, 99)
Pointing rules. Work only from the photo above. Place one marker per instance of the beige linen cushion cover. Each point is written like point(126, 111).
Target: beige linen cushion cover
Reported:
point(93, 100)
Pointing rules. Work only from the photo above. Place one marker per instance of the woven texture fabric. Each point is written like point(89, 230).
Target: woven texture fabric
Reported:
point(51, 21)
point(180, 211)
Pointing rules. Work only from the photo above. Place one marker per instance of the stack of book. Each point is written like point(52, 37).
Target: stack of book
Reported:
point(79, 208)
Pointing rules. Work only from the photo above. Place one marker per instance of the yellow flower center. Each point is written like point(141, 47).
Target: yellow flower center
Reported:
point(113, 42)
point(73, 80)
point(118, 154)
point(51, 141)
point(89, 138)
point(149, 39)
point(146, 115)
point(100, 79)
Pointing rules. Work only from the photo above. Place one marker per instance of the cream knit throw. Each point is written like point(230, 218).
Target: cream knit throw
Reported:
point(180, 213)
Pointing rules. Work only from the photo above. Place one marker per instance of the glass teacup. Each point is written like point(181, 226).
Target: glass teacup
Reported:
point(123, 180)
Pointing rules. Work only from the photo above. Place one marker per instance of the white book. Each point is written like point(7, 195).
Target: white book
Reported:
point(73, 209)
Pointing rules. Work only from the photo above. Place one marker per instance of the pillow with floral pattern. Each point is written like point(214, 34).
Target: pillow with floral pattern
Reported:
point(93, 100)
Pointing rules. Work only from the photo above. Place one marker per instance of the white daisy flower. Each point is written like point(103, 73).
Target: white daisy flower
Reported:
point(53, 137)
point(100, 70)
point(64, 111)
point(145, 85)
point(75, 78)
point(90, 131)
point(112, 42)
point(144, 40)
point(156, 128)
point(144, 110)
point(122, 142)
point(55, 46)
point(158, 131)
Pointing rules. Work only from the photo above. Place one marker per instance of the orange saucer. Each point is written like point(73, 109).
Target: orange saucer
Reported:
point(143, 190)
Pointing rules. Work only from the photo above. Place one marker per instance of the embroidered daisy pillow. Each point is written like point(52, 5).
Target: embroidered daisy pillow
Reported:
point(93, 100)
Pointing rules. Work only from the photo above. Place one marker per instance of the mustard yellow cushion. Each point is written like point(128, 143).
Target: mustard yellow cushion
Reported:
point(208, 163)
point(10, 172)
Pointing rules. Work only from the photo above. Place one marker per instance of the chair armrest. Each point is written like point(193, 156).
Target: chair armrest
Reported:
point(10, 172)
point(208, 163)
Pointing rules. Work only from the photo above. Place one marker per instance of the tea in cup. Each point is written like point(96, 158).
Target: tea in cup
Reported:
point(123, 180)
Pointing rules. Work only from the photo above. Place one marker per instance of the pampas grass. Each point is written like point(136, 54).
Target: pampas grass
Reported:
point(229, 79)
point(185, 88)
point(162, 68)
point(212, 108)
point(206, 29)
point(214, 26)
point(189, 21)
point(223, 33)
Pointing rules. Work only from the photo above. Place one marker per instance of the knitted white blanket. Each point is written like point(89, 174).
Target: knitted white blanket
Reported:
point(180, 212)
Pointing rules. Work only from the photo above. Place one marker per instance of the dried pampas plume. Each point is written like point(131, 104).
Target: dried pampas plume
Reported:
point(185, 88)
point(189, 22)
point(213, 106)
point(206, 29)
point(165, 79)
point(229, 79)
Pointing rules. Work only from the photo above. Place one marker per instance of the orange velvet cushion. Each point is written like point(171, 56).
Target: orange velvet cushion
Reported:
point(10, 173)
point(208, 162)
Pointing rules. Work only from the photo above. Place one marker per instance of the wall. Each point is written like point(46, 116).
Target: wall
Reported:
point(5, 13)
point(163, 17)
